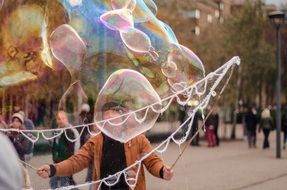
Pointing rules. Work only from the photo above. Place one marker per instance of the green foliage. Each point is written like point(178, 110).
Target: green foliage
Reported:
point(246, 38)
point(242, 34)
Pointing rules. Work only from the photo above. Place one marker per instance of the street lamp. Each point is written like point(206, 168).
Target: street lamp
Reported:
point(277, 19)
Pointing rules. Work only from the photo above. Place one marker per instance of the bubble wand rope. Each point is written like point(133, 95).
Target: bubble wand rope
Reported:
point(138, 162)
point(203, 123)
point(30, 166)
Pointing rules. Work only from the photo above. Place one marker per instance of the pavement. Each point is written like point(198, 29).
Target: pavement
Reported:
point(231, 166)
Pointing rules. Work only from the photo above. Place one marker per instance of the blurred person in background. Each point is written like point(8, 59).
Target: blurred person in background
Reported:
point(210, 124)
point(28, 123)
point(284, 127)
point(266, 125)
point(62, 149)
point(215, 118)
point(3, 124)
point(194, 128)
point(20, 142)
point(251, 121)
point(21, 145)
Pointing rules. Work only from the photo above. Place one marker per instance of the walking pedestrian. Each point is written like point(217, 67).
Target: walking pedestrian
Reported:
point(284, 127)
point(251, 121)
point(266, 124)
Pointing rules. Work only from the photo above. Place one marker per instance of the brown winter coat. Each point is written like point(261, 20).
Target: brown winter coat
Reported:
point(92, 151)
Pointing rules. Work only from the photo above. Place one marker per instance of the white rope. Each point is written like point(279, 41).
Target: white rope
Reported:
point(220, 72)
point(113, 179)
point(163, 146)
point(217, 76)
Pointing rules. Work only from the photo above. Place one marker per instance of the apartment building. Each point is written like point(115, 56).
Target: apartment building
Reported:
point(205, 12)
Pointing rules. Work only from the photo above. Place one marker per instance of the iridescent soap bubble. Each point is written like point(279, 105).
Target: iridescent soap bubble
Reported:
point(87, 42)
point(28, 71)
point(151, 5)
point(125, 92)
point(23, 37)
point(75, 2)
point(17, 79)
point(170, 32)
point(123, 4)
point(74, 96)
point(169, 69)
point(184, 67)
point(144, 11)
point(140, 48)
point(102, 36)
point(119, 19)
point(139, 42)
point(68, 47)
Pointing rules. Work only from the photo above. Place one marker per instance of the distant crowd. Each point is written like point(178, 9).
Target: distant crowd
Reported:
point(253, 120)
point(61, 147)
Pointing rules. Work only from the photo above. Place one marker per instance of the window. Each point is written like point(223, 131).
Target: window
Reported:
point(209, 18)
point(216, 14)
point(197, 30)
point(194, 14)
point(221, 6)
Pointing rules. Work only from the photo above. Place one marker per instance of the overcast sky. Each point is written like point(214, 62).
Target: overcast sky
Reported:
point(276, 2)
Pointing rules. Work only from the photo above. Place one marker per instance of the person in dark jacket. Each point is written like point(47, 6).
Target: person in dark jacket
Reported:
point(284, 127)
point(251, 121)
point(215, 119)
point(62, 149)
point(22, 145)
point(211, 124)
point(194, 128)
point(28, 123)
point(20, 142)
point(184, 115)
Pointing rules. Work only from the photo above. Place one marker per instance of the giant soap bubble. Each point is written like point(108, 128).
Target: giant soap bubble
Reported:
point(63, 52)
point(126, 91)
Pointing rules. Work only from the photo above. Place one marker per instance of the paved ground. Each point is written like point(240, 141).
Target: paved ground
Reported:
point(232, 166)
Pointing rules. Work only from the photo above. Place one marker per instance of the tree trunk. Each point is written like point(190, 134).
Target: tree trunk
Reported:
point(238, 85)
